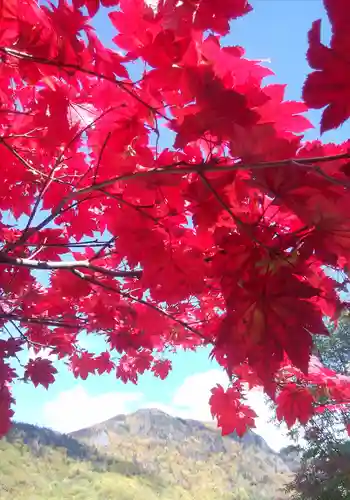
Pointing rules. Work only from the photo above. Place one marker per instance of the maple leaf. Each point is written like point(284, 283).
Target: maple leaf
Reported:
point(84, 364)
point(165, 50)
point(230, 61)
point(217, 16)
point(134, 25)
point(286, 115)
point(231, 414)
point(40, 371)
point(161, 368)
point(294, 403)
point(262, 142)
point(125, 370)
point(103, 363)
point(245, 373)
point(94, 5)
point(133, 364)
point(74, 287)
point(10, 347)
point(328, 86)
point(256, 326)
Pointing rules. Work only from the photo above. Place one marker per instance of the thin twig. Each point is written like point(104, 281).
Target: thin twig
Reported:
point(60, 209)
point(106, 245)
point(12, 337)
point(83, 130)
point(23, 55)
point(46, 185)
point(90, 243)
point(34, 343)
point(201, 168)
point(22, 160)
point(105, 142)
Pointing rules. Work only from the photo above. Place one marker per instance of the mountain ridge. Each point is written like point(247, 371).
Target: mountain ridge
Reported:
point(248, 439)
point(148, 437)
point(145, 455)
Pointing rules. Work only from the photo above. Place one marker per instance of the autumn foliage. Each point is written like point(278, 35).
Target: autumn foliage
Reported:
point(160, 194)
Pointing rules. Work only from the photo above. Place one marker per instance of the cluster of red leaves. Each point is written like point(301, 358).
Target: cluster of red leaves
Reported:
point(302, 396)
point(232, 415)
point(329, 85)
point(222, 239)
point(298, 396)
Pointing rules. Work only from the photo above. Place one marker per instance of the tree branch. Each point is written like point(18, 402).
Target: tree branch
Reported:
point(75, 67)
point(24, 162)
point(182, 168)
point(68, 265)
point(39, 321)
point(109, 288)
point(44, 188)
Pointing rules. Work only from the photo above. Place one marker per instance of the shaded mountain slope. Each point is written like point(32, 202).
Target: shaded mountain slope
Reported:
point(38, 464)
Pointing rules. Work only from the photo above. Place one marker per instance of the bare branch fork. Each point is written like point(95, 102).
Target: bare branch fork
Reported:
point(68, 265)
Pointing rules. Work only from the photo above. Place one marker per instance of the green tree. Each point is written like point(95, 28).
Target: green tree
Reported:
point(324, 473)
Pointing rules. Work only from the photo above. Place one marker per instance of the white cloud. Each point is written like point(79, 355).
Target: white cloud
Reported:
point(276, 437)
point(191, 400)
point(76, 408)
point(194, 393)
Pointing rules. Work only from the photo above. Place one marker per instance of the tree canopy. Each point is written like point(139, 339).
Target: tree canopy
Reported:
point(234, 233)
point(324, 449)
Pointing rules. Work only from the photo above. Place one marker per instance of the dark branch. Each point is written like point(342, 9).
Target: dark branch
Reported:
point(39, 321)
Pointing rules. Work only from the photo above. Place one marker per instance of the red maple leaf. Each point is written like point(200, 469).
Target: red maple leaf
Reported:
point(103, 363)
point(84, 364)
point(216, 17)
point(94, 5)
point(161, 368)
point(231, 414)
point(245, 373)
point(40, 371)
point(10, 347)
point(329, 85)
point(216, 111)
point(294, 403)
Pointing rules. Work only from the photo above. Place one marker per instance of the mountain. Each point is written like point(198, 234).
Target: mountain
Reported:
point(145, 455)
point(291, 455)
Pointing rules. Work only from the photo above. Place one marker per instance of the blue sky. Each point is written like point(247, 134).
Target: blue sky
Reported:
point(276, 30)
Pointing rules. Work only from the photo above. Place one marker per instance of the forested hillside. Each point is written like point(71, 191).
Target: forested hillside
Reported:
point(145, 455)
